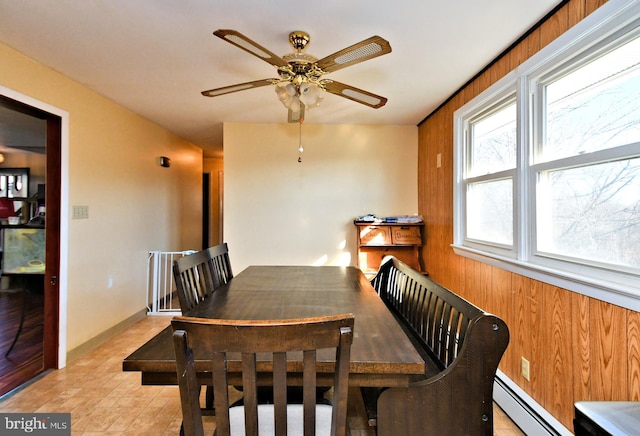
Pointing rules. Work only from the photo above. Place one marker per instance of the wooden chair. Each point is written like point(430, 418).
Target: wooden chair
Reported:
point(194, 281)
point(220, 264)
point(197, 339)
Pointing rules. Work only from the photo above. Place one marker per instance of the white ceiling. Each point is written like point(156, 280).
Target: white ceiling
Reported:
point(156, 56)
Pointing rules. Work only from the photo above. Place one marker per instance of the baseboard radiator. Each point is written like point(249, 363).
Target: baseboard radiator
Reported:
point(527, 414)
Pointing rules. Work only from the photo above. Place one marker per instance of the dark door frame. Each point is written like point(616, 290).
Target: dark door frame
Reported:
point(52, 226)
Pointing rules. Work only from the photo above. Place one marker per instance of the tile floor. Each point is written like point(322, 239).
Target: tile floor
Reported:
point(104, 400)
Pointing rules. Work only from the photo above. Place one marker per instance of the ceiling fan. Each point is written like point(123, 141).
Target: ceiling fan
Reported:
point(301, 81)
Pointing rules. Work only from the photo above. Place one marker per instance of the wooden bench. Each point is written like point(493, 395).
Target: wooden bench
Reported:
point(462, 346)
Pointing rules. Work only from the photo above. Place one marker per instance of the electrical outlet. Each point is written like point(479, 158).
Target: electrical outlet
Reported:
point(524, 365)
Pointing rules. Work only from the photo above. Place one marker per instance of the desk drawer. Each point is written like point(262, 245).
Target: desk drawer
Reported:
point(375, 235)
point(405, 235)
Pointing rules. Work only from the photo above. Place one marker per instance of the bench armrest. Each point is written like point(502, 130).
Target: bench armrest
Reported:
point(457, 400)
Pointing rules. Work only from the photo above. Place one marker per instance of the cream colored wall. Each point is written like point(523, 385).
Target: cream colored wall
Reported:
point(134, 204)
point(279, 211)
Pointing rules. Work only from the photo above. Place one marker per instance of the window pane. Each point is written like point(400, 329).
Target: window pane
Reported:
point(493, 142)
point(490, 211)
point(596, 107)
point(592, 212)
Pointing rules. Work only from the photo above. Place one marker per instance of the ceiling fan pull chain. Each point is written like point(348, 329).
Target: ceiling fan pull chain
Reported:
point(300, 149)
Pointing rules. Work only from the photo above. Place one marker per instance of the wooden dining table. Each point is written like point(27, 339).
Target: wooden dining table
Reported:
point(382, 355)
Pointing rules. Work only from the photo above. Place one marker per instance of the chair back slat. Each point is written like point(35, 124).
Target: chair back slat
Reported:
point(250, 391)
point(340, 382)
point(189, 389)
point(309, 393)
point(261, 344)
point(220, 396)
point(220, 264)
point(280, 392)
point(194, 281)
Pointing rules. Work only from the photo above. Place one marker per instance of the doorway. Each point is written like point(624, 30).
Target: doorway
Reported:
point(206, 210)
point(30, 140)
point(212, 201)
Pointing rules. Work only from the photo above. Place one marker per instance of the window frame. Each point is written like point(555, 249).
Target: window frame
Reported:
point(613, 23)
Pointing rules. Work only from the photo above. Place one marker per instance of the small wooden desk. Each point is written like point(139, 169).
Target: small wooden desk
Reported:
point(378, 240)
point(381, 353)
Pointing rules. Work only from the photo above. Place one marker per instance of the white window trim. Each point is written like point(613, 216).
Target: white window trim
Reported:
point(616, 288)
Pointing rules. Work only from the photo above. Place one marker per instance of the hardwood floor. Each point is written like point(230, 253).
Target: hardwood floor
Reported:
point(25, 360)
point(104, 400)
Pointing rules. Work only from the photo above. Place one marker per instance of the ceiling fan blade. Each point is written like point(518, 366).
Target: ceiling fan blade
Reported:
point(296, 117)
point(239, 87)
point(246, 44)
point(355, 94)
point(360, 52)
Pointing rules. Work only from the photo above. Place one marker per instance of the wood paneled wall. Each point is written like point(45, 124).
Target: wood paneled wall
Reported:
point(579, 348)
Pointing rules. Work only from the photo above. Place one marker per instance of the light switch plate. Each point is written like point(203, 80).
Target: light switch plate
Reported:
point(80, 212)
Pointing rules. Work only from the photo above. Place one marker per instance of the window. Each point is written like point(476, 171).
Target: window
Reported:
point(594, 107)
point(490, 170)
point(547, 172)
point(588, 189)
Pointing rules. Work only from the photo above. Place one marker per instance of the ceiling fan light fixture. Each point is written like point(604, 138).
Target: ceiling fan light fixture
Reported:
point(288, 96)
point(311, 95)
point(304, 89)
point(285, 90)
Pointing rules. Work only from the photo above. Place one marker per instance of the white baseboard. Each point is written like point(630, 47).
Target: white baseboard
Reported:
point(527, 414)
